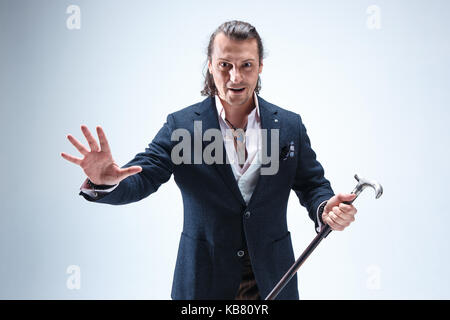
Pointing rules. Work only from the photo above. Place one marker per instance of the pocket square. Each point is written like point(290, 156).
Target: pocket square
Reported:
point(287, 151)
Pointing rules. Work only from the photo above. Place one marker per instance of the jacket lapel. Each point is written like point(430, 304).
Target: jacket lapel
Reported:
point(269, 121)
point(207, 113)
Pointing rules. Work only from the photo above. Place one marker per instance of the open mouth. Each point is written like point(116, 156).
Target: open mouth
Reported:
point(237, 90)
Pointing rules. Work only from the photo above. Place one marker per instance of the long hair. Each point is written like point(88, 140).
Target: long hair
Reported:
point(235, 30)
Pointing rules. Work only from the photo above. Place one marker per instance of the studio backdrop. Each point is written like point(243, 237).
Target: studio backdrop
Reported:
point(369, 78)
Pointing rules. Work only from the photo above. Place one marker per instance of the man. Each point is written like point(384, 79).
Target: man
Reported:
point(235, 243)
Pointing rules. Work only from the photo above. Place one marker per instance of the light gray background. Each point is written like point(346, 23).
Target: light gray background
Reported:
point(374, 101)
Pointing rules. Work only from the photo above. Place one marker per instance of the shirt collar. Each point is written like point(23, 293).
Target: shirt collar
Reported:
point(221, 111)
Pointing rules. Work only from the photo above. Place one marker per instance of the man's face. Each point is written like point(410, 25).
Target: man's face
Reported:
point(235, 64)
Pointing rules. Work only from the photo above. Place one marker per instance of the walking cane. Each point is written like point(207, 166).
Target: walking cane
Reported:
point(324, 232)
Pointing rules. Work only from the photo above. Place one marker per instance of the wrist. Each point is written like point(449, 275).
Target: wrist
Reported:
point(98, 186)
point(320, 211)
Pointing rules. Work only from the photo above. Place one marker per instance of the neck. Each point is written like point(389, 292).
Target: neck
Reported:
point(237, 114)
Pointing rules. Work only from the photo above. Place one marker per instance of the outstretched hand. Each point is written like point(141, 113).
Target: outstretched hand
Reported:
point(337, 214)
point(98, 163)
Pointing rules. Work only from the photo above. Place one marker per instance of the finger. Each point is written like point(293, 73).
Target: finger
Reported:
point(338, 219)
point(348, 217)
point(330, 221)
point(103, 141)
point(348, 212)
point(126, 172)
point(80, 147)
point(336, 216)
point(90, 139)
point(70, 158)
point(332, 224)
point(345, 207)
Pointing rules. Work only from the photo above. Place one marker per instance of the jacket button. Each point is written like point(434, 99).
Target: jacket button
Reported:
point(247, 214)
point(240, 253)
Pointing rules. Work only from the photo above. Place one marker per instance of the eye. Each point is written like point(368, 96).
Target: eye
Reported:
point(223, 64)
point(247, 64)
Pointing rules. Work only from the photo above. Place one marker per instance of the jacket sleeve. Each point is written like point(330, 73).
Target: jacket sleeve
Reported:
point(157, 168)
point(310, 184)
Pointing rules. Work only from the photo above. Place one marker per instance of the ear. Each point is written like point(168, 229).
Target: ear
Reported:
point(210, 66)
point(260, 67)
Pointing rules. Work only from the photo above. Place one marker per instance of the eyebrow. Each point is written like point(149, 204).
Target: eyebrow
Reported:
point(226, 59)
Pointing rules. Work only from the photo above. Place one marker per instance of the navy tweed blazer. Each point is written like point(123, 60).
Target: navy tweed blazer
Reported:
point(218, 224)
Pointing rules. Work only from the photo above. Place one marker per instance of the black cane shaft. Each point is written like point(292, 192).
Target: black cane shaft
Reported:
point(326, 229)
point(294, 268)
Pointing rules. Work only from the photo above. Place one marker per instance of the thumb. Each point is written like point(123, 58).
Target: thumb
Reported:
point(126, 172)
point(346, 197)
point(339, 198)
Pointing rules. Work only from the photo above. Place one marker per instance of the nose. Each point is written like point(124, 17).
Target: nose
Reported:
point(235, 75)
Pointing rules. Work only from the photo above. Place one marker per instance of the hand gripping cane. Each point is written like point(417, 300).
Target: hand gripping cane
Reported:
point(362, 184)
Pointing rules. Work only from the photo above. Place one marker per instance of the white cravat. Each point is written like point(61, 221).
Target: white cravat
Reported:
point(247, 175)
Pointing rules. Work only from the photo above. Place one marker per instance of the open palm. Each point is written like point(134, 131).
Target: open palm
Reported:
point(98, 163)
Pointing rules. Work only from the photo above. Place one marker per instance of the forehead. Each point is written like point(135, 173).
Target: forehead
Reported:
point(226, 48)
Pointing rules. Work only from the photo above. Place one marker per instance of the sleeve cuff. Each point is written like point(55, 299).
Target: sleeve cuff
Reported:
point(94, 193)
point(319, 215)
